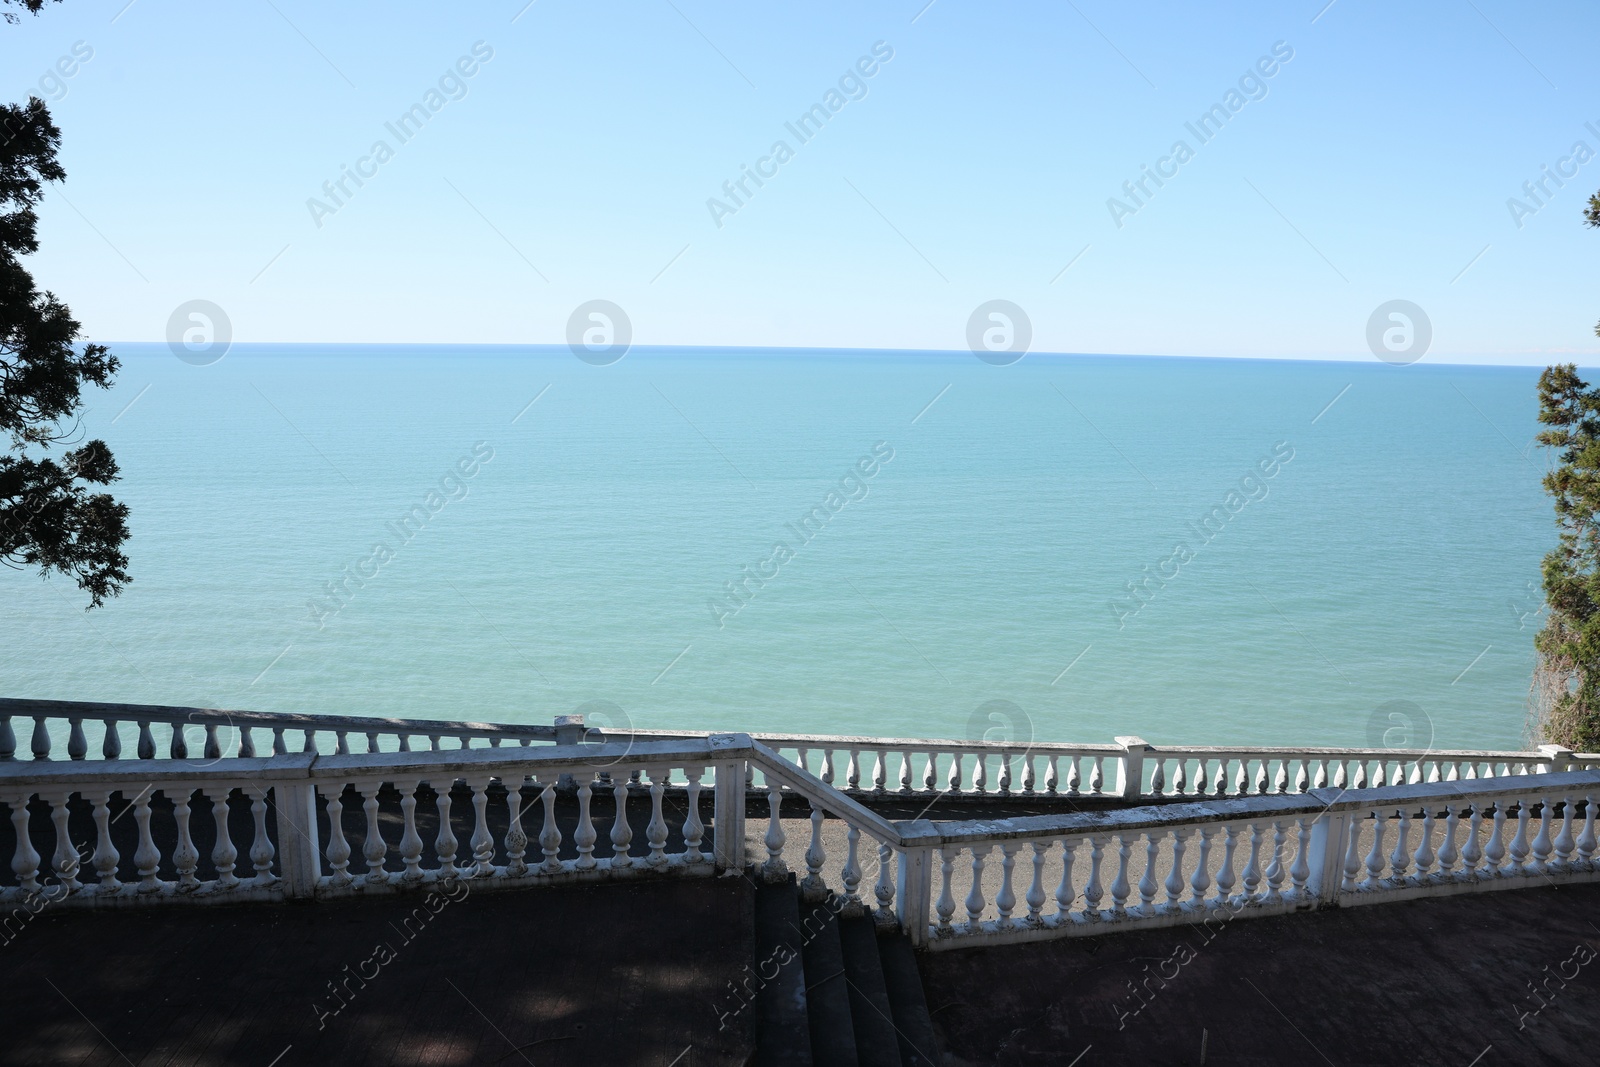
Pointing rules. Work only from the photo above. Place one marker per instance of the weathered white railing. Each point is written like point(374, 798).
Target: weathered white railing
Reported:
point(299, 849)
point(1129, 769)
point(1215, 861)
point(307, 825)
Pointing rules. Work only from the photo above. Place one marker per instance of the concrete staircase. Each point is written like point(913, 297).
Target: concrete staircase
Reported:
point(834, 990)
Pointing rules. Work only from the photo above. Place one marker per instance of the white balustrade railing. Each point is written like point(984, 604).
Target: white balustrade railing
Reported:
point(1127, 770)
point(297, 847)
point(80, 730)
point(1086, 873)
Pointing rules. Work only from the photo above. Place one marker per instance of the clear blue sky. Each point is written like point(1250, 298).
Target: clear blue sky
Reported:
point(580, 159)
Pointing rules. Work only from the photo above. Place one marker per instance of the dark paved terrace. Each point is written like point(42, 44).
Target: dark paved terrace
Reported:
point(613, 974)
point(1427, 982)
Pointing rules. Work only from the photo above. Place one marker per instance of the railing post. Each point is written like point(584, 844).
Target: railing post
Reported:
point(1330, 837)
point(915, 894)
point(1556, 759)
point(1130, 767)
point(299, 848)
point(727, 823)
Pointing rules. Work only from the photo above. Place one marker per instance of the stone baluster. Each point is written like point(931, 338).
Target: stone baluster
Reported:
point(25, 860)
point(1097, 777)
point(1541, 841)
point(621, 832)
point(655, 833)
point(1321, 780)
point(585, 836)
point(980, 772)
point(1251, 876)
point(1174, 886)
point(1519, 843)
point(827, 766)
point(1586, 840)
point(1275, 871)
point(1119, 884)
point(1200, 881)
point(1202, 775)
point(146, 858)
point(1260, 787)
point(1241, 778)
point(1433, 771)
point(1005, 773)
point(549, 833)
point(1052, 775)
point(262, 851)
point(1225, 878)
point(954, 781)
point(905, 771)
point(178, 746)
point(247, 744)
point(947, 901)
point(111, 743)
point(930, 772)
point(1447, 849)
point(1341, 775)
point(40, 742)
point(1415, 777)
point(975, 900)
point(372, 741)
point(1471, 851)
point(482, 841)
point(1147, 882)
point(8, 739)
point(374, 850)
point(1027, 774)
point(280, 747)
point(1400, 858)
point(1092, 892)
point(1035, 898)
point(1074, 776)
point(1280, 782)
point(1219, 784)
point(812, 886)
point(852, 776)
point(1422, 858)
point(66, 858)
point(516, 838)
point(880, 771)
point(1180, 780)
point(338, 848)
point(444, 842)
point(1300, 870)
point(411, 838)
point(1352, 855)
point(77, 744)
point(694, 831)
point(1472, 771)
point(147, 742)
point(774, 868)
point(185, 857)
point(106, 856)
point(1006, 901)
point(1064, 893)
point(884, 889)
point(1495, 851)
point(1564, 841)
point(851, 874)
point(213, 747)
point(1302, 779)
point(1360, 779)
point(1158, 775)
point(402, 742)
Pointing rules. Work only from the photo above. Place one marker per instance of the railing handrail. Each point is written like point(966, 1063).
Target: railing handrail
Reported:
point(28, 707)
point(827, 797)
point(459, 763)
point(926, 833)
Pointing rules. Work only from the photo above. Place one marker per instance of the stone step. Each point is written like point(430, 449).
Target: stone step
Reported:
point(872, 1016)
point(909, 1004)
point(783, 1029)
point(833, 1039)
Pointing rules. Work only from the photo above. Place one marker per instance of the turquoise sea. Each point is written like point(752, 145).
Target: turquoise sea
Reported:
point(973, 532)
